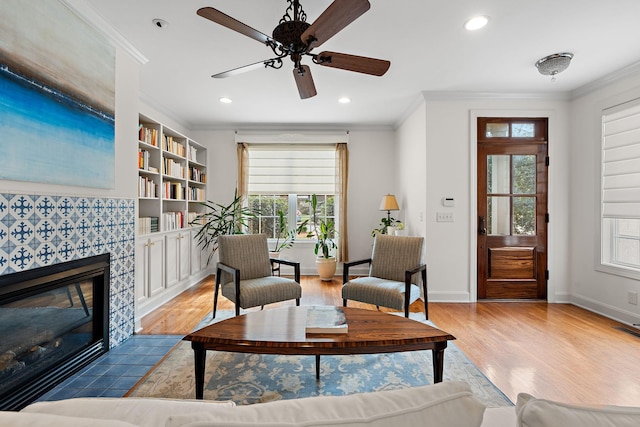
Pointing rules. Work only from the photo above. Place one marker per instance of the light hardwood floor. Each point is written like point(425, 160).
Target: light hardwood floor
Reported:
point(553, 351)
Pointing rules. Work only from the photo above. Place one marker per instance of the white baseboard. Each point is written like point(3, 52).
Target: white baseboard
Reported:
point(438, 296)
point(605, 310)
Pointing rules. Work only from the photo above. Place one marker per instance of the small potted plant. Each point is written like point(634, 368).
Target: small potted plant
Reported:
point(324, 232)
point(388, 225)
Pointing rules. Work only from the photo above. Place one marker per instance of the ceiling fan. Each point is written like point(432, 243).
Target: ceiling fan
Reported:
point(295, 38)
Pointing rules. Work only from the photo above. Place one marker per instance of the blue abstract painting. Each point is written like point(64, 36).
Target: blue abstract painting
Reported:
point(57, 92)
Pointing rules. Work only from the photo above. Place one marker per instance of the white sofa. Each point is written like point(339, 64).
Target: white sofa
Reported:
point(448, 404)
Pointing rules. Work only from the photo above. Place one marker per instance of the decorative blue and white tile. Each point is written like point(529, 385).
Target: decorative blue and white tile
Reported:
point(66, 207)
point(45, 230)
point(45, 254)
point(22, 258)
point(65, 229)
point(39, 230)
point(45, 206)
point(4, 207)
point(21, 232)
point(21, 207)
point(4, 261)
point(4, 231)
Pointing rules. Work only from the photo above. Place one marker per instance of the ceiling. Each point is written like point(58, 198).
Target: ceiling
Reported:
point(425, 41)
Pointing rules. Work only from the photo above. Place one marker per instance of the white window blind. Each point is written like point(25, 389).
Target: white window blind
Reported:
point(292, 169)
point(621, 161)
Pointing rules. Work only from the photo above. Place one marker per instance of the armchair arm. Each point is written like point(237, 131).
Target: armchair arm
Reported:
point(347, 265)
point(415, 270)
point(220, 267)
point(227, 268)
point(294, 264)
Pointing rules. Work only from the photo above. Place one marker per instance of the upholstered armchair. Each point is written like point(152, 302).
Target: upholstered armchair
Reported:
point(244, 271)
point(393, 269)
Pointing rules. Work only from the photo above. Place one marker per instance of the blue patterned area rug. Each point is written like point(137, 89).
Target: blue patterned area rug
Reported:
point(256, 378)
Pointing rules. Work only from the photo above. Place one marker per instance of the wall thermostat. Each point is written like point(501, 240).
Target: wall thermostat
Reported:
point(448, 202)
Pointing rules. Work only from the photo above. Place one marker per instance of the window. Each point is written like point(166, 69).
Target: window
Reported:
point(620, 189)
point(295, 208)
point(282, 178)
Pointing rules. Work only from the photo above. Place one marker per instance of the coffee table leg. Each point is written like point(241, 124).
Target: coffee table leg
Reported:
point(317, 366)
point(438, 362)
point(200, 355)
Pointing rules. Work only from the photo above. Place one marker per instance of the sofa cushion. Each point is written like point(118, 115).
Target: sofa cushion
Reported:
point(532, 412)
point(445, 404)
point(142, 412)
point(25, 419)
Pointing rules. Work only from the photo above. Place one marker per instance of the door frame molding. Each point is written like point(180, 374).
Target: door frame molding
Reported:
point(473, 196)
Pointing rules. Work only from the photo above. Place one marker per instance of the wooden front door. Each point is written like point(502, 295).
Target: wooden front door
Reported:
point(512, 208)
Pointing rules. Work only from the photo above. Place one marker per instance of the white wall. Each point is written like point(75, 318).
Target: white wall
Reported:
point(598, 291)
point(371, 175)
point(412, 172)
point(449, 171)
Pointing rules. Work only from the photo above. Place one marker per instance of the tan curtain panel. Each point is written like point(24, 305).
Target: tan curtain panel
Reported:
point(243, 169)
point(342, 181)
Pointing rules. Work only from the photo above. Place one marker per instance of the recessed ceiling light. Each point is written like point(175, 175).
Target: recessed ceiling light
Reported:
point(476, 23)
point(160, 23)
point(226, 100)
point(344, 100)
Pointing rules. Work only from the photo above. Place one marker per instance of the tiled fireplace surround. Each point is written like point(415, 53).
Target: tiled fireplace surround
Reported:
point(42, 230)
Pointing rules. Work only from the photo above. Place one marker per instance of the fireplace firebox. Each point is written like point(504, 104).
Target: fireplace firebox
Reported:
point(54, 320)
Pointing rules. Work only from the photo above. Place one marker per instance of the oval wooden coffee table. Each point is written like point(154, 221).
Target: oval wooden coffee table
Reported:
point(282, 331)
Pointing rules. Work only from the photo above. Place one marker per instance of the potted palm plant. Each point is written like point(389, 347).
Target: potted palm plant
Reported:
point(285, 236)
point(324, 232)
point(219, 219)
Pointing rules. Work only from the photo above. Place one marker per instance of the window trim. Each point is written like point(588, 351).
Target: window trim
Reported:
point(606, 225)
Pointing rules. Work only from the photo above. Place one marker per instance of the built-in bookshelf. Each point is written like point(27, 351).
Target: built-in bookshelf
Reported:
point(172, 178)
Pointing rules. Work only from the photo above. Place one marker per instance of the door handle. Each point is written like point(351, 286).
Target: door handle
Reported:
point(482, 228)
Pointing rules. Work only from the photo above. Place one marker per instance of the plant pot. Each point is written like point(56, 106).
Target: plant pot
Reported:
point(274, 254)
point(326, 268)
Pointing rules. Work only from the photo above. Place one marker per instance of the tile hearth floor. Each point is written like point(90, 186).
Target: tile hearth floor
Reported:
point(113, 374)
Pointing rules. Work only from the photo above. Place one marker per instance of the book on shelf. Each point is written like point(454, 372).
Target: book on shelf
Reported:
point(326, 320)
point(146, 135)
point(148, 225)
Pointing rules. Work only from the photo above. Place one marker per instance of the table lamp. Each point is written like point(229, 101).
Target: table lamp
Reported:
point(389, 203)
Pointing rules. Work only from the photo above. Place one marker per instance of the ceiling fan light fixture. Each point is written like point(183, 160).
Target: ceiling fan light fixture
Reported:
point(554, 64)
point(476, 22)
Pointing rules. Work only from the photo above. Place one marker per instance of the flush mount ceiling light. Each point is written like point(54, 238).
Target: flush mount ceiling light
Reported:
point(476, 23)
point(344, 100)
point(226, 100)
point(554, 64)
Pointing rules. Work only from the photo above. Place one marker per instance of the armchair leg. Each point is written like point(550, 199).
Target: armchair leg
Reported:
point(298, 301)
point(426, 298)
point(215, 296)
point(344, 302)
point(237, 309)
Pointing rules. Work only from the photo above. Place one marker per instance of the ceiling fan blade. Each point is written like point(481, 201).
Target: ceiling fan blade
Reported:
point(233, 24)
point(338, 15)
point(359, 64)
point(304, 81)
point(245, 68)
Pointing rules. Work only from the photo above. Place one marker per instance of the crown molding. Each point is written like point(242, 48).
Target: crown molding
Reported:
point(507, 96)
point(606, 80)
point(96, 20)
